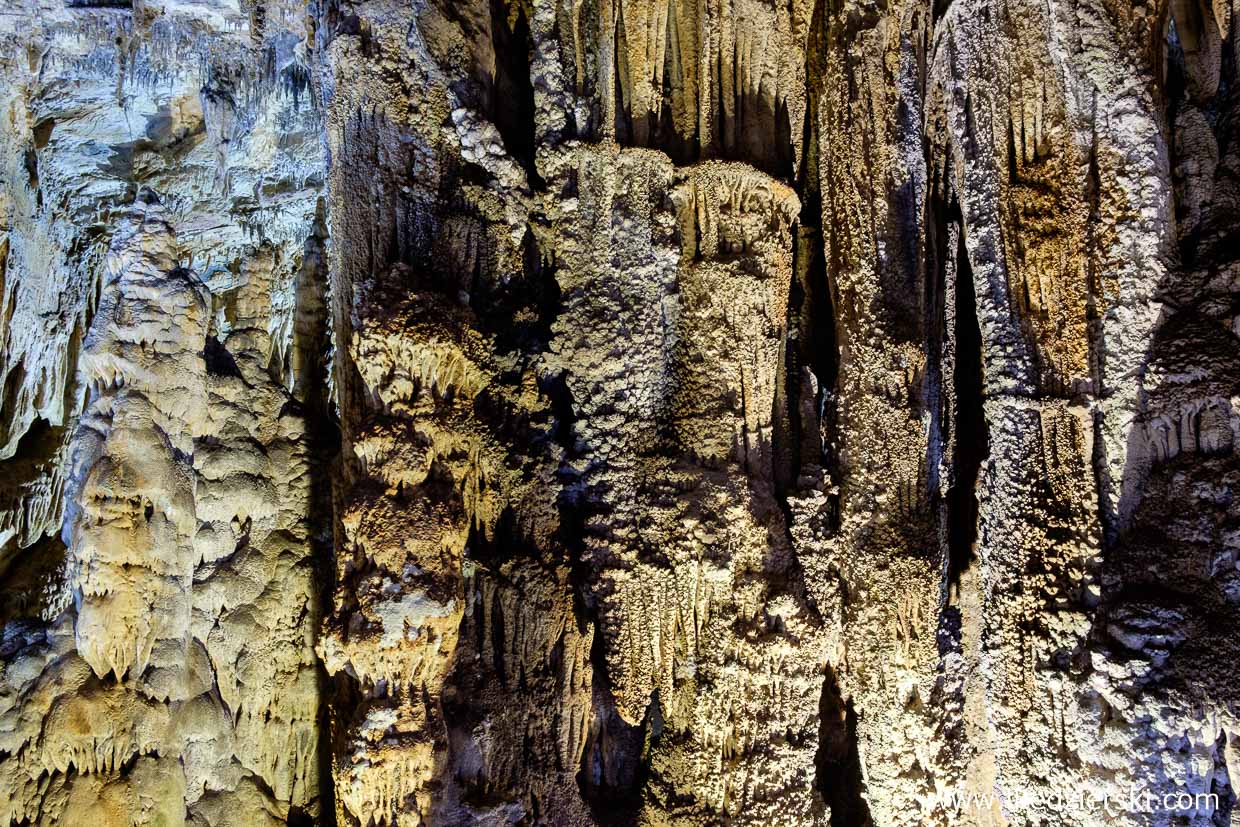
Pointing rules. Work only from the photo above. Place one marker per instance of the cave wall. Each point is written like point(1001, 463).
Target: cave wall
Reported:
point(583, 412)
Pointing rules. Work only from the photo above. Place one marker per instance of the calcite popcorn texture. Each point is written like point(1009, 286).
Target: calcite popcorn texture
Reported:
point(619, 412)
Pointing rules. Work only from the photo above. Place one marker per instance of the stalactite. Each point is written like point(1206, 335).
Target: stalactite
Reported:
point(581, 412)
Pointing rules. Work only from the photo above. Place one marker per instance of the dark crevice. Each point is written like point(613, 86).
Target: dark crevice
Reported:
point(821, 341)
point(1094, 296)
point(512, 94)
point(32, 560)
point(258, 22)
point(677, 147)
point(805, 415)
point(613, 771)
point(625, 133)
point(758, 130)
point(1012, 160)
point(29, 575)
point(838, 762)
point(789, 423)
point(218, 360)
point(1176, 86)
point(14, 381)
point(971, 444)
point(31, 159)
point(939, 221)
point(613, 768)
point(518, 311)
point(1221, 785)
point(1176, 90)
point(312, 339)
point(811, 363)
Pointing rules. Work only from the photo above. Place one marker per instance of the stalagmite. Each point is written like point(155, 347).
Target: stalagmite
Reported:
point(619, 412)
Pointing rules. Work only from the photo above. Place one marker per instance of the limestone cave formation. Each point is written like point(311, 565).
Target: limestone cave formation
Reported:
point(650, 413)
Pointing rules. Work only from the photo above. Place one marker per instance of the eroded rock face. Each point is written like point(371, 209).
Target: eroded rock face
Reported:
point(583, 412)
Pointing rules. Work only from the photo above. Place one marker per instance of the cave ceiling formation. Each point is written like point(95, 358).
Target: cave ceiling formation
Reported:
point(619, 412)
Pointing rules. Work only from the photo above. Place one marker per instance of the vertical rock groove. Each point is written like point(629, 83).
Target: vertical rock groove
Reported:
point(618, 412)
point(969, 439)
point(839, 766)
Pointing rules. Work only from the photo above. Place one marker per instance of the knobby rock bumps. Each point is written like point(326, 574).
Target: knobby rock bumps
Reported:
point(619, 412)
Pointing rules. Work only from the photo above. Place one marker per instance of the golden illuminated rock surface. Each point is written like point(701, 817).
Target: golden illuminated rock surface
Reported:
point(619, 412)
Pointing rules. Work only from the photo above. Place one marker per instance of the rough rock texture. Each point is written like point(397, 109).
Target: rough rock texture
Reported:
point(589, 412)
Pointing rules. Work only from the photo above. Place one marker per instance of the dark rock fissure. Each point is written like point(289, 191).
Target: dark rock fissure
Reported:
point(971, 442)
point(838, 764)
